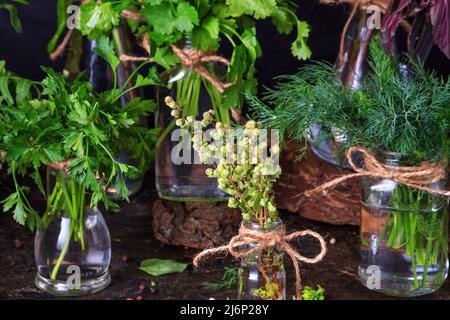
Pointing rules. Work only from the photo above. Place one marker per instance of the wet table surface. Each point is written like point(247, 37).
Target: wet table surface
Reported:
point(133, 241)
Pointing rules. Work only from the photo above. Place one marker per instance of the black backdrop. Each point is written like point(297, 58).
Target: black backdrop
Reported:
point(25, 52)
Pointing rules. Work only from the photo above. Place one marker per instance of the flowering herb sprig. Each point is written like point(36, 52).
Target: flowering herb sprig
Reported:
point(243, 169)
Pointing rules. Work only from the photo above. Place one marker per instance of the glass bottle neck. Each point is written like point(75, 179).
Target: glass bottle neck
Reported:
point(185, 43)
point(256, 226)
point(391, 158)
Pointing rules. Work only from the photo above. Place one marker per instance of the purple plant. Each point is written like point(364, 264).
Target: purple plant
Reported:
point(430, 18)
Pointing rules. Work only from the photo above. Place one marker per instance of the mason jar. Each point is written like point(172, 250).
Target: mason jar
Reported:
point(403, 250)
point(179, 174)
point(261, 275)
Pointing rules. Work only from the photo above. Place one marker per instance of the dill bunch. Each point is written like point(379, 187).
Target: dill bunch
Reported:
point(400, 107)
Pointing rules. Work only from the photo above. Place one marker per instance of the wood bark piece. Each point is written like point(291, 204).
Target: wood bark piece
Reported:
point(194, 224)
point(340, 206)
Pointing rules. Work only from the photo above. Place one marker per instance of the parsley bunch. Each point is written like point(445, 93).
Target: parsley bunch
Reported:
point(71, 122)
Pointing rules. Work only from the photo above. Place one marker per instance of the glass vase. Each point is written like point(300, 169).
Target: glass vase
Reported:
point(351, 65)
point(404, 231)
point(73, 247)
point(261, 275)
point(179, 174)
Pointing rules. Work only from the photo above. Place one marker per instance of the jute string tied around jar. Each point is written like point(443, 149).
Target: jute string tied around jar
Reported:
point(190, 58)
point(263, 240)
point(195, 58)
point(417, 177)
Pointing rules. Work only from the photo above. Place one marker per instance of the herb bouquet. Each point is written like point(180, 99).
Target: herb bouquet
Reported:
point(183, 37)
point(246, 172)
point(398, 121)
point(75, 134)
point(88, 23)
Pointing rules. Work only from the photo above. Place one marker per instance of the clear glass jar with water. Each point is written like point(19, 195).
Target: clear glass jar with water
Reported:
point(179, 175)
point(262, 275)
point(72, 248)
point(404, 231)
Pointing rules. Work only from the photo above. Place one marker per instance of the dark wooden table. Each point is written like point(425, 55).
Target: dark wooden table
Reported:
point(133, 241)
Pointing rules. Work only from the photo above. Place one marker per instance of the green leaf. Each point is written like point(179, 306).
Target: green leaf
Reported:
point(202, 38)
point(186, 17)
point(159, 267)
point(311, 294)
point(22, 90)
point(37, 179)
point(98, 19)
point(4, 90)
point(282, 21)
point(160, 17)
point(259, 9)
point(211, 24)
point(165, 57)
point(105, 49)
point(152, 78)
point(53, 153)
point(299, 47)
point(9, 202)
point(20, 215)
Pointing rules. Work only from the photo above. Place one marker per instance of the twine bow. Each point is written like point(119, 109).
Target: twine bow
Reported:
point(264, 240)
point(419, 177)
point(194, 59)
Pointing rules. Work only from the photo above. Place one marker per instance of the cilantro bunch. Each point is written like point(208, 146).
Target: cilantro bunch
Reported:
point(71, 122)
point(206, 22)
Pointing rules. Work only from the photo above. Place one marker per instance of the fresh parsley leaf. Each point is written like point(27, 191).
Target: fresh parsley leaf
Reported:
point(259, 9)
point(105, 49)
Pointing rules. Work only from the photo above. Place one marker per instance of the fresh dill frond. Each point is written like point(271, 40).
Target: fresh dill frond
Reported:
point(400, 107)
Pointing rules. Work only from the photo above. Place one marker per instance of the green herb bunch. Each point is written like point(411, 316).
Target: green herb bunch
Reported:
point(242, 170)
point(69, 122)
point(397, 109)
point(206, 22)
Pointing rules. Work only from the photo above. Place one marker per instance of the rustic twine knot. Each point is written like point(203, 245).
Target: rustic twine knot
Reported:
point(419, 177)
point(195, 58)
point(62, 166)
point(256, 241)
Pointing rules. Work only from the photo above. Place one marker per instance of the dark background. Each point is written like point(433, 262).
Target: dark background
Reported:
point(25, 52)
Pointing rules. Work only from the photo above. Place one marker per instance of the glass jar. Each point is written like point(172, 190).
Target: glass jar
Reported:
point(179, 174)
point(262, 275)
point(403, 250)
point(73, 248)
point(351, 66)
